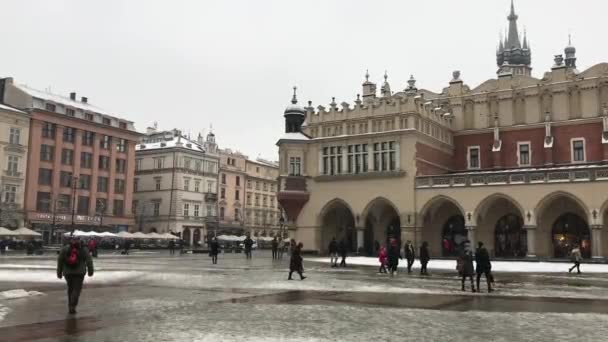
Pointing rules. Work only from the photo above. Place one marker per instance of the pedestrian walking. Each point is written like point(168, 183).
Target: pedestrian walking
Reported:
point(73, 262)
point(393, 256)
point(171, 247)
point(424, 257)
point(248, 243)
point(383, 259)
point(333, 252)
point(342, 249)
point(3, 244)
point(214, 250)
point(93, 248)
point(483, 266)
point(127, 247)
point(467, 271)
point(576, 256)
point(296, 264)
point(275, 248)
point(410, 255)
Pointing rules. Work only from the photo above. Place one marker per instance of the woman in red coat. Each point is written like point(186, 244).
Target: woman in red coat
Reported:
point(383, 258)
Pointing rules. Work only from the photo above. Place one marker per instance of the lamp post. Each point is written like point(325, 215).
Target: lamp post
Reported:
point(101, 210)
point(74, 181)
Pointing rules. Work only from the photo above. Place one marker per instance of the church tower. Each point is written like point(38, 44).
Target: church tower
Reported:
point(294, 115)
point(513, 56)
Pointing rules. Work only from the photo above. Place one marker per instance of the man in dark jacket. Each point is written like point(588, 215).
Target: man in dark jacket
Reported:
point(73, 263)
point(425, 256)
point(410, 255)
point(275, 248)
point(343, 251)
point(296, 262)
point(248, 243)
point(393, 256)
point(484, 266)
point(214, 250)
point(333, 252)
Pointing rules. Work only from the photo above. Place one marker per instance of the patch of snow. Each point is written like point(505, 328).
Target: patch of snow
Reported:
point(3, 312)
point(497, 266)
point(18, 293)
point(50, 276)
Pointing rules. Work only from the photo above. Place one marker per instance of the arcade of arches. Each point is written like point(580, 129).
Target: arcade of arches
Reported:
point(562, 221)
point(379, 222)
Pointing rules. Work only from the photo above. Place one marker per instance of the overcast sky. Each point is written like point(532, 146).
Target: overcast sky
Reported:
point(189, 64)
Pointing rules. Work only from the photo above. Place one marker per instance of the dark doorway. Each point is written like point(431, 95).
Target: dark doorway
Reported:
point(510, 239)
point(570, 230)
point(453, 235)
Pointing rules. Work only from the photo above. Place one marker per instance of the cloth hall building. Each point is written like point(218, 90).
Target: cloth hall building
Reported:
point(517, 162)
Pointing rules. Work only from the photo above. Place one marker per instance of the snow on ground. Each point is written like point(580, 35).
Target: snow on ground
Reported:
point(497, 266)
point(18, 293)
point(48, 276)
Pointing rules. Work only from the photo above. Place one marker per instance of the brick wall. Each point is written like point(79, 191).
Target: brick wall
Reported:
point(437, 161)
point(592, 132)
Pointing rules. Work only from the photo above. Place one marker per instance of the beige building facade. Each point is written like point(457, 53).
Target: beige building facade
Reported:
point(231, 199)
point(262, 210)
point(517, 162)
point(176, 185)
point(14, 136)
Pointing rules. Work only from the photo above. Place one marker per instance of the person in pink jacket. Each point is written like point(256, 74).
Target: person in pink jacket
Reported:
point(383, 258)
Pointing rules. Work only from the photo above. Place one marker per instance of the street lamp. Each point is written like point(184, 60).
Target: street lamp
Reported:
point(101, 210)
point(74, 181)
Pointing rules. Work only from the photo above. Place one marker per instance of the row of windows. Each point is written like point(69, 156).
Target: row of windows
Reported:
point(384, 158)
point(66, 180)
point(237, 214)
point(88, 138)
point(63, 204)
point(524, 154)
point(159, 180)
point(264, 186)
point(261, 217)
point(47, 153)
point(51, 107)
point(188, 163)
point(265, 200)
point(153, 208)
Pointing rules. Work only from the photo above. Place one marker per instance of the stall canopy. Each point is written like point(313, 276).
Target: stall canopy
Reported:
point(6, 232)
point(26, 232)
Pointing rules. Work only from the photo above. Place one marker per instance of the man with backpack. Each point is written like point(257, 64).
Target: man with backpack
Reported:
point(73, 263)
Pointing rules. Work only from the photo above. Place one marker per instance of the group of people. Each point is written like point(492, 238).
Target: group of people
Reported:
point(336, 249)
point(389, 257)
point(464, 265)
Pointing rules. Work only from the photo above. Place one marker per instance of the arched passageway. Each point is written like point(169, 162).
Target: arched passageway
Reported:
point(500, 227)
point(569, 230)
point(443, 226)
point(510, 237)
point(196, 241)
point(454, 234)
point(337, 221)
point(562, 222)
point(381, 223)
point(186, 236)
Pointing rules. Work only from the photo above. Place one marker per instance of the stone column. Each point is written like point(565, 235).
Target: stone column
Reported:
point(360, 238)
point(596, 241)
point(531, 241)
point(471, 235)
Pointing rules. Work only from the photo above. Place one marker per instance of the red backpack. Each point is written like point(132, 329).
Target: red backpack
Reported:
point(73, 255)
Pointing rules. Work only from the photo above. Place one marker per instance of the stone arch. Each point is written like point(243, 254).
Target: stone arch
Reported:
point(337, 220)
point(438, 217)
point(550, 211)
point(438, 200)
point(381, 219)
point(487, 203)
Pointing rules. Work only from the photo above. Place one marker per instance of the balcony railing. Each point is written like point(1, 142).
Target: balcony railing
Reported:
point(535, 176)
point(11, 173)
point(210, 197)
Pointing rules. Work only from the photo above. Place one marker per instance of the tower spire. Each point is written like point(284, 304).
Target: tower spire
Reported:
point(294, 99)
point(513, 35)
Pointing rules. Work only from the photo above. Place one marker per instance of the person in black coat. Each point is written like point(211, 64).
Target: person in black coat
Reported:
point(467, 267)
point(248, 245)
point(214, 250)
point(171, 247)
point(425, 256)
point(275, 248)
point(295, 264)
point(410, 255)
point(333, 252)
point(484, 266)
point(393, 256)
point(342, 249)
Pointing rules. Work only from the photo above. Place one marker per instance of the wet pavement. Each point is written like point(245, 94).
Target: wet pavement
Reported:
point(157, 297)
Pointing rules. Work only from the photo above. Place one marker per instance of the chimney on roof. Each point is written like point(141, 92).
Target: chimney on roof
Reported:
point(73, 96)
point(83, 99)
